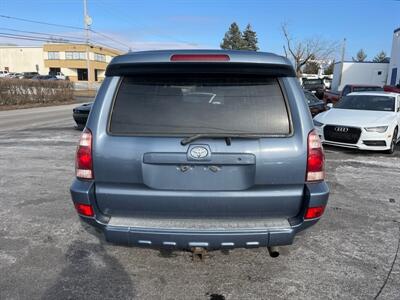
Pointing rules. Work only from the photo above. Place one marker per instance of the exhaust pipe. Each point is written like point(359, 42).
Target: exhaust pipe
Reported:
point(273, 251)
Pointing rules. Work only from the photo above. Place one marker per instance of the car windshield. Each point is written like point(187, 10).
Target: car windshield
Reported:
point(367, 102)
point(367, 88)
point(312, 81)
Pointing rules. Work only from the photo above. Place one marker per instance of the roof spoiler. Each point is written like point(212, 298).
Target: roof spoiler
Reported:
point(126, 69)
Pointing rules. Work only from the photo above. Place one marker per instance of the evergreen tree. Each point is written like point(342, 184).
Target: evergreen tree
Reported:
point(361, 56)
point(250, 40)
point(233, 38)
point(380, 57)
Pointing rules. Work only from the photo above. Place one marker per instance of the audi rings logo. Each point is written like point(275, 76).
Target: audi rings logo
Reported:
point(341, 129)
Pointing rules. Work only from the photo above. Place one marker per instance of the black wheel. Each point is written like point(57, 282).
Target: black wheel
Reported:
point(392, 143)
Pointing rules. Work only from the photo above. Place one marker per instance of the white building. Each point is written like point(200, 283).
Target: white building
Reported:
point(394, 68)
point(351, 72)
point(22, 59)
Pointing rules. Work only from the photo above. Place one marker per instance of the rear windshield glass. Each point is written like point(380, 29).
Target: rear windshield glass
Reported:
point(182, 104)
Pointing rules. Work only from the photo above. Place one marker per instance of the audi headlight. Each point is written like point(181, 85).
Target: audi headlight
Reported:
point(317, 124)
point(380, 129)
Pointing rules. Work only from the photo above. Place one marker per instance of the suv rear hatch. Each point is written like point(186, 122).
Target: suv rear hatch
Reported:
point(199, 145)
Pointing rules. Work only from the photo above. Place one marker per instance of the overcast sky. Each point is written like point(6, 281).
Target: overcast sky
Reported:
point(161, 24)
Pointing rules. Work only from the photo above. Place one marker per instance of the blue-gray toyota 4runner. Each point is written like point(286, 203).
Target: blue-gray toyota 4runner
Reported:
point(200, 148)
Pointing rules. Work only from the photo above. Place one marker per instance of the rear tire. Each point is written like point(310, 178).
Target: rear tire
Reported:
point(393, 142)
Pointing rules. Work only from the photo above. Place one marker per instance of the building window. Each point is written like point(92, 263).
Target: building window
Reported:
point(82, 74)
point(54, 71)
point(53, 55)
point(99, 57)
point(75, 55)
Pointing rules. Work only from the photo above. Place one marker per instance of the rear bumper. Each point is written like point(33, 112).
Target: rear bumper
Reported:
point(172, 236)
point(182, 239)
point(359, 146)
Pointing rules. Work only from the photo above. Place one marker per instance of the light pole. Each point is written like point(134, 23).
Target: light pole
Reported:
point(342, 58)
point(87, 22)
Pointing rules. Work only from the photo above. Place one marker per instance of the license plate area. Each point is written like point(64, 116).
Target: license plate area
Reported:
point(173, 171)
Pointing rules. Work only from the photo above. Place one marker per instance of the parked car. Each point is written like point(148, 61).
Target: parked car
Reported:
point(327, 83)
point(199, 149)
point(393, 89)
point(365, 120)
point(81, 113)
point(15, 75)
point(61, 76)
point(3, 74)
point(315, 86)
point(333, 97)
point(58, 75)
point(315, 105)
point(44, 77)
point(29, 75)
point(11, 75)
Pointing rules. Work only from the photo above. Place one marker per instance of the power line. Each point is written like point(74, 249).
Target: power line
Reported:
point(64, 26)
point(48, 39)
point(110, 38)
point(42, 33)
point(38, 37)
point(33, 38)
point(40, 22)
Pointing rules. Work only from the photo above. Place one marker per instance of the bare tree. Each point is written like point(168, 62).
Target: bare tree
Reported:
point(308, 49)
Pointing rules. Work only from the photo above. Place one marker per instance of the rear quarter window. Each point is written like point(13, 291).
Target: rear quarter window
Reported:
point(187, 104)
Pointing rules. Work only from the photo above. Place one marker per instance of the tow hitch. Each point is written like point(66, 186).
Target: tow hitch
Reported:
point(199, 253)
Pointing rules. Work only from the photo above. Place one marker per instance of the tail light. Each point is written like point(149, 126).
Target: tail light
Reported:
point(84, 161)
point(314, 212)
point(315, 158)
point(84, 209)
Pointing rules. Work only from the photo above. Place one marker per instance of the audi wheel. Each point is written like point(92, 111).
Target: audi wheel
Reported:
point(392, 143)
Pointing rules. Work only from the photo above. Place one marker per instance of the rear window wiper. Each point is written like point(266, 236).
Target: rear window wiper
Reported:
point(228, 138)
point(189, 139)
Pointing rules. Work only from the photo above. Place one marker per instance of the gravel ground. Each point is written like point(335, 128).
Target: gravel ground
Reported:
point(46, 253)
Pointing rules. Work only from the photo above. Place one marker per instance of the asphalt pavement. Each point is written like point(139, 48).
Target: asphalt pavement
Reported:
point(11, 120)
point(45, 252)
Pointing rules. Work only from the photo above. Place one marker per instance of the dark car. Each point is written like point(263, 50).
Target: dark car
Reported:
point(29, 75)
point(315, 86)
point(200, 149)
point(81, 113)
point(44, 77)
point(314, 104)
